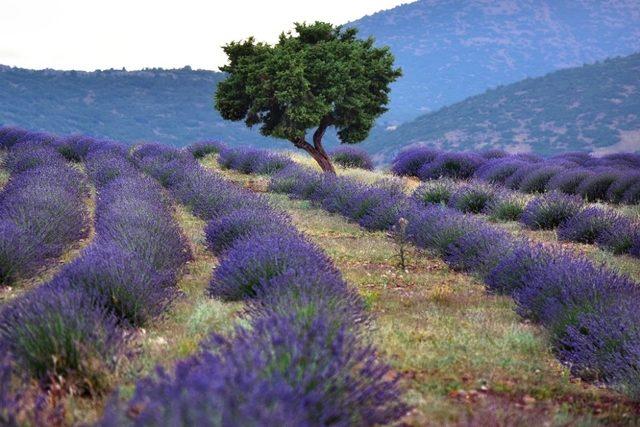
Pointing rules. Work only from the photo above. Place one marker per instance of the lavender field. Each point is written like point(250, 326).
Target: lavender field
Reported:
point(147, 285)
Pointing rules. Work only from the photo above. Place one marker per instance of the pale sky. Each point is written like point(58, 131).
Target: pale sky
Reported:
point(91, 34)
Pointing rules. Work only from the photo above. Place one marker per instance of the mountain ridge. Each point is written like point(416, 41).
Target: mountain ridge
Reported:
point(595, 107)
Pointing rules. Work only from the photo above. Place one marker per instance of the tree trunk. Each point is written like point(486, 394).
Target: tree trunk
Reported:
point(317, 150)
point(323, 160)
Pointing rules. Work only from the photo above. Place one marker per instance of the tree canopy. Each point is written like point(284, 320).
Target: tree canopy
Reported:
point(321, 76)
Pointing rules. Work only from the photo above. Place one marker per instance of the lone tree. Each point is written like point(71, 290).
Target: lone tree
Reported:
point(320, 77)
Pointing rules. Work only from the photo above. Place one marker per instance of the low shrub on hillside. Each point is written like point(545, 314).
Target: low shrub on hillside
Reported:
point(568, 181)
point(328, 378)
point(225, 230)
point(203, 148)
point(309, 296)
point(409, 161)
point(351, 157)
point(510, 274)
point(516, 178)
point(131, 215)
point(434, 192)
point(494, 153)
point(588, 225)
point(631, 195)
point(550, 210)
point(103, 168)
point(616, 191)
point(19, 252)
point(9, 136)
point(497, 171)
point(122, 283)
point(595, 187)
point(436, 227)
point(505, 206)
point(478, 251)
point(53, 332)
point(451, 165)
point(27, 156)
point(75, 148)
point(473, 197)
point(537, 180)
point(255, 261)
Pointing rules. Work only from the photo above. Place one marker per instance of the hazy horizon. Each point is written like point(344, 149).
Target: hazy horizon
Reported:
point(86, 36)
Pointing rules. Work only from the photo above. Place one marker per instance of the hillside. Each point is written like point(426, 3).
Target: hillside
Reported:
point(170, 106)
point(450, 49)
point(590, 108)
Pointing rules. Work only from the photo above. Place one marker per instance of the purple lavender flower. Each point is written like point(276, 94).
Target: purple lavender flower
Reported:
point(351, 157)
point(568, 181)
point(617, 189)
point(434, 192)
point(604, 345)
point(555, 293)
point(588, 225)
point(9, 136)
point(473, 197)
point(493, 153)
point(329, 378)
point(225, 230)
point(76, 147)
point(550, 210)
point(202, 148)
point(537, 180)
point(478, 251)
point(257, 260)
point(451, 165)
point(409, 161)
point(510, 274)
point(595, 187)
point(53, 332)
point(26, 156)
point(632, 194)
point(122, 284)
point(497, 171)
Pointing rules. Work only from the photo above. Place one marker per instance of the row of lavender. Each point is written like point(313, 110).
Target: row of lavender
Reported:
point(575, 221)
point(592, 314)
point(613, 178)
point(72, 331)
point(42, 210)
point(303, 361)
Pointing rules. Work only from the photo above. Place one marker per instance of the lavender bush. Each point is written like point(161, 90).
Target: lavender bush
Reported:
point(409, 161)
point(225, 230)
point(595, 187)
point(473, 197)
point(27, 156)
point(123, 284)
point(434, 192)
point(537, 180)
point(255, 261)
point(512, 272)
point(351, 157)
point(505, 206)
point(329, 379)
point(53, 332)
point(588, 225)
point(568, 181)
point(451, 165)
point(497, 171)
point(202, 148)
point(550, 210)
